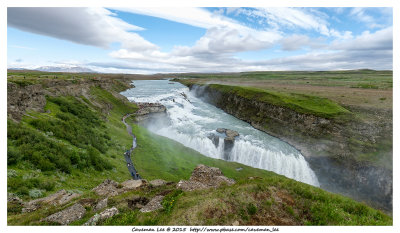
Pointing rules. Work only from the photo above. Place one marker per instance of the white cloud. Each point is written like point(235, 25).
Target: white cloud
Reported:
point(360, 14)
point(227, 40)
point(283, 18)
point(223, 36)
point(379, 40)
point(233, 30)
point(296, 42)
point(197, 17)
point(89, 26)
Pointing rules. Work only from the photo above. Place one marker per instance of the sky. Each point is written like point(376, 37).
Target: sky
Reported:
point(188, 39)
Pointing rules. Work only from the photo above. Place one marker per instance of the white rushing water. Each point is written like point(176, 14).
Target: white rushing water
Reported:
point(191, 121)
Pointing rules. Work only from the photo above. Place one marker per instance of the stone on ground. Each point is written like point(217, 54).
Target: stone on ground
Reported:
point(108, 213)
point(108, 188)
point(132, 184)
point(158, 182)
point(204, 177)
point(68, 215)
point(101, 205)
point(61, 197)
point(154, 204)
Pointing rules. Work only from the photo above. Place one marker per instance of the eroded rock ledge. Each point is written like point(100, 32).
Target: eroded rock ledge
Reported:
point(148, 110)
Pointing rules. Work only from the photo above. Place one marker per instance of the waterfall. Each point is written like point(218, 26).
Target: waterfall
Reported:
point(191, 121)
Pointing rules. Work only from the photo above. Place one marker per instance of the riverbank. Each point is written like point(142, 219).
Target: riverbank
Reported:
point(336, 142)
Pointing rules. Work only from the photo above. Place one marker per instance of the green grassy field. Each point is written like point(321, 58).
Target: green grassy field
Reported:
point(368, 79)
point(298, 102)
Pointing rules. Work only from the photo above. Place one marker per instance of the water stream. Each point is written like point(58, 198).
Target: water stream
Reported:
point(191, 121)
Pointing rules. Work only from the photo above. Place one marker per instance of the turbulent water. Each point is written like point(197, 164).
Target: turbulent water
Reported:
point(191, 121)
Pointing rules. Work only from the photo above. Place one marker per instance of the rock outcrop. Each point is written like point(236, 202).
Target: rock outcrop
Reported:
point(59, 198)
point(154, 204)
point(108, 188)
point(101, 205)
point(133, 184)
point(68, 215)
point(158, 182)
point(204, 177)
point(148, 110)
point(20, 99)
point(108, 213)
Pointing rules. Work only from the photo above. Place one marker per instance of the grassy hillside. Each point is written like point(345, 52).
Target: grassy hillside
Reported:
point(78, 142)
point(298, 102)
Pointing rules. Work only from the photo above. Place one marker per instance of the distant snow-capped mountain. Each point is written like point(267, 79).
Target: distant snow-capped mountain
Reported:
point(68, 69)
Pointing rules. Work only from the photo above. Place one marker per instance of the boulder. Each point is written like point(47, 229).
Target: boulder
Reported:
point(187, 185)
point(68, 215)
point(221, 130)
point(229, 133)
point(108, 188)
point(204, 177)
point(158, 182)
point(61, 197)
point(108, 213)
point(11, 197)
point(132, 184)
point(101, 205)
point(67, 198)
point(235, 223)
point(154, 204)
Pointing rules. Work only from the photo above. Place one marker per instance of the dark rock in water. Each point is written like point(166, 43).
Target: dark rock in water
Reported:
point(229, 141)
point(137, 202)
point(228, 145)
point(228, 132)
point(214, 138)
point(221, 130)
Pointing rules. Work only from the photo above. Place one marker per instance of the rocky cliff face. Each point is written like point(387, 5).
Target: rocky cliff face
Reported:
point(21, 99)
point(325, 143)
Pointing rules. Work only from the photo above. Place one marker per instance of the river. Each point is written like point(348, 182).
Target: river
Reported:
point(191, 121)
